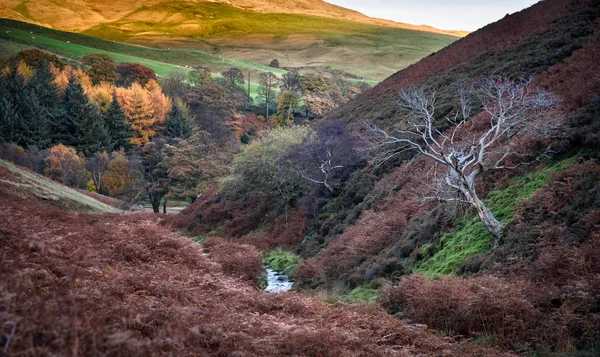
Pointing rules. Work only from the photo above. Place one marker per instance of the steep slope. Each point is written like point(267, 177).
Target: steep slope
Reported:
point(29, 185)
point(370, 49)
point(523, 44)
point(376, 230)
point(117, 285)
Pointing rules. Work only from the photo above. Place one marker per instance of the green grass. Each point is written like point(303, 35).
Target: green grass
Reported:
point(362, 295)
point(283, 262)
point(372, 51)
point(470, 237)
point(16, 36)
point(38, 187)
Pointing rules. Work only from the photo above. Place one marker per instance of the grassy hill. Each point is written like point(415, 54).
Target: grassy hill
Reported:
point(32, 186)
point(16, 36)
point(370, 50)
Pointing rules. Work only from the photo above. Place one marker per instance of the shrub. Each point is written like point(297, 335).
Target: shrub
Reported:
point(283, 262)
point(237, 260)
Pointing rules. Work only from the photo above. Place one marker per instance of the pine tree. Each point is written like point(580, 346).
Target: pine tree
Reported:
point(9, 121)
point(14, 94)
point(119, 130)
point(41, 107)
point(83, 122)
point(179, 122)
point(35, 123)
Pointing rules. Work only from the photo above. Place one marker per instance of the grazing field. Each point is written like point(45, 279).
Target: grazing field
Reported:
point(370, 50)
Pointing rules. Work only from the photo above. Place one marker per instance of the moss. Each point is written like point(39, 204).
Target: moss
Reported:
point(470, 237)
point(283, 262)
point(365, 295)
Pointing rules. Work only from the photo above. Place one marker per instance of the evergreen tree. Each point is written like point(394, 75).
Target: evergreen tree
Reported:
point(119, 129)
point(179, 122)
point(35, 123)
point(14, 95)
point(41, 107)
point(82, 125)
point(9, 121)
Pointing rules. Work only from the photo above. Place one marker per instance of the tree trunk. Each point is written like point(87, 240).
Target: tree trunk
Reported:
point(490, 222)
point(156, 198)
point(165, 206)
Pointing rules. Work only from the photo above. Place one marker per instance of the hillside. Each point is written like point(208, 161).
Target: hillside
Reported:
point(523, 44)
point(538, 291)
point(28, 185)
point(93, 284)
point(371, 50)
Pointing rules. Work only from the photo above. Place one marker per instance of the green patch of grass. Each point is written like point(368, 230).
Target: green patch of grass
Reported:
point(470, 237)
point(217, 231)
point(283, 262)
point(199, 239)
point(365, 295)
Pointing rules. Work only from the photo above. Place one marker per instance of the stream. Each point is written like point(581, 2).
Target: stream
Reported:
point(277, 282)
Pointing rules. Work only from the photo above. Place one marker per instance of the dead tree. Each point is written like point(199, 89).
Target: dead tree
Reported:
point(459, 155)
point(323, 156)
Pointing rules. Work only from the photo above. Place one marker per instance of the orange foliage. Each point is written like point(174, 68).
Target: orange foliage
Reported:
point(101, 95)
point(64, 165)
point(117, 176)
point(146, 110)
point(25, 71)
point(122, 285)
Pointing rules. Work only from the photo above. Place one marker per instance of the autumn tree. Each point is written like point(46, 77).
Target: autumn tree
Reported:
point(101, 95)
point(213, 106)
point(32, 57)
point(233, 78)
point(130, 73)
point(152, 175)
point(200, 76)
point(287, 103)
point(290, 82)
point(174, 85)
point(266, 92)
point(193, 165)
point(97, 165)
point(139, 107)
point(100, 68)
point(117, 175)
point(259, 168)
point(458, 156)
point(66, 166)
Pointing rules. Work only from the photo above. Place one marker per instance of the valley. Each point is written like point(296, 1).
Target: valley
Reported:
point(293, 178)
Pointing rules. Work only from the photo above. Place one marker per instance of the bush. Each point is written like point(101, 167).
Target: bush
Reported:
point(237, 260)
point(283, 262)
point(515, 312)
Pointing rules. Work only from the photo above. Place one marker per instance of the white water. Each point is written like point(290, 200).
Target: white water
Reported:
point(277, 283)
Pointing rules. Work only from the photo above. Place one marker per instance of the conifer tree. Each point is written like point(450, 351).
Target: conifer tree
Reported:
point(179, 122)
point(83, 122)
point(9, 119)
point(14, 95)
point(35, 123)
point(119, 130)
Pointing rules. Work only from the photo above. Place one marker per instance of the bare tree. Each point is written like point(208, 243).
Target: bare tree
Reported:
point(268, 82)
point(461, 154)
point(322, 157)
